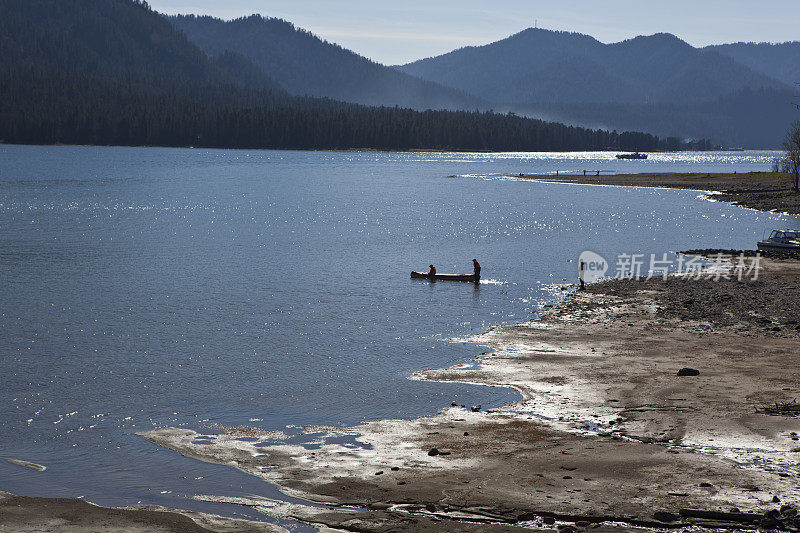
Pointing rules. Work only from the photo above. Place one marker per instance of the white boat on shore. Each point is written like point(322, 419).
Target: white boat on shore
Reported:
point(786, 239)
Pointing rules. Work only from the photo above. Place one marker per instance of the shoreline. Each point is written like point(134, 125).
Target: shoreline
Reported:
point(379, 150)
point(762, 191)
point(607, 431)
point(23, 514)
point(499, 470)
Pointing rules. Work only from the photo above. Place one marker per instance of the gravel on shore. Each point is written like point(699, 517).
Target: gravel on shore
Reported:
point(646, 404)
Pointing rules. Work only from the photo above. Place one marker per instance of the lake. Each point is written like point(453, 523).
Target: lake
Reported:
point(149, 287)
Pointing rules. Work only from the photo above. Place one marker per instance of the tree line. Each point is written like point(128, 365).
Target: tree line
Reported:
point(114, 72)
point(61, 107)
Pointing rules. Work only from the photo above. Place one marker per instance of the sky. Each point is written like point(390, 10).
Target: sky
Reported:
point(402, 31)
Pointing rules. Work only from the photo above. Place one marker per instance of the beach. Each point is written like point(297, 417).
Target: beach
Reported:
point(607, 432)
point(764, 191)
point(21, 514)
point(645, 404)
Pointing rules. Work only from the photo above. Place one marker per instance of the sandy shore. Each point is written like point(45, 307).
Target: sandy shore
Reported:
point(20, 514)
point(607, 436)
point(764, 191)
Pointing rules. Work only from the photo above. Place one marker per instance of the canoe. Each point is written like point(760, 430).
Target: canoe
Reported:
point(446, 277)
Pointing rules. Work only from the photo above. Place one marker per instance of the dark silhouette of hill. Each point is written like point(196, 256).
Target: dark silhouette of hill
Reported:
point(115, 38)
point(780, 61)
point(658, 83)
point(115, 72)
point(304, 64)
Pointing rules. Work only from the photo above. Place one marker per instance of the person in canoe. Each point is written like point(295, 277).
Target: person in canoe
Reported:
point(432, 271)
point(476, 268)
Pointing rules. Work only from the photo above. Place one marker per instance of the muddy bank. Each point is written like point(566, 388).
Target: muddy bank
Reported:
point(21, 514)
point(764, 191)
point(610, 430)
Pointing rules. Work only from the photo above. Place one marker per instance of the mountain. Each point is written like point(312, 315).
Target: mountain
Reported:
point(658, 83)
point(542, 66)
point(750, 118)
point(779, 61)
point(111, 38)
point(306, 65)
point(115, 72)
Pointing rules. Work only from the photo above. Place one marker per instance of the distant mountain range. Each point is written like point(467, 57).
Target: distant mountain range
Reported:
point(115, 72)
point(779, 61)
point(306, 65)
point(737, 94)
point(543, 67)
point(95, 61)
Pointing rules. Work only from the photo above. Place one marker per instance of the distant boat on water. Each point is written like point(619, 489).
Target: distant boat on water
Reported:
point(635, 155)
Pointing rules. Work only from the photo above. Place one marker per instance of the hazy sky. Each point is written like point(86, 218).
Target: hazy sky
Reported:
point(405, 30)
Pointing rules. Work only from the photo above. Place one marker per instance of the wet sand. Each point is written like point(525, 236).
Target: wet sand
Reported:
point(608, 436)
point(765, 191)
point(20, 514)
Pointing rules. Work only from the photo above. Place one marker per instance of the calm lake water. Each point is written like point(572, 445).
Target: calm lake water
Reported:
point(147, 287)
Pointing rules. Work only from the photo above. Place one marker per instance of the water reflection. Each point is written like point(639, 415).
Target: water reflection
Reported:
point(147, 288)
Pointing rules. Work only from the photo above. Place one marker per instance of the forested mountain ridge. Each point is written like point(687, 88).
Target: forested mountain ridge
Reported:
point(304, 64)
point(542, 66)
point(115, 72)
point(110, 38)
point(658, 83)
point(749, 118)
point(780, 61)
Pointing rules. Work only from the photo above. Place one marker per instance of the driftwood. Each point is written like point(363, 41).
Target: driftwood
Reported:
point(781, 409)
